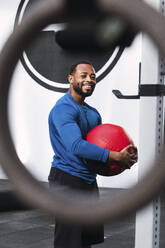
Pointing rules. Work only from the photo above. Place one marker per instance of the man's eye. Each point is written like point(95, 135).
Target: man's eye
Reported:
point(83, 76)
point(93, 78)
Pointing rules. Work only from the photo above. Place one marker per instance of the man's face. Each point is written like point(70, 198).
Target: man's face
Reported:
point(83, 80)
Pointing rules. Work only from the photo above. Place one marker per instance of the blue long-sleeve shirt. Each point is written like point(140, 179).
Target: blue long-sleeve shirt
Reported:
point(69, 124)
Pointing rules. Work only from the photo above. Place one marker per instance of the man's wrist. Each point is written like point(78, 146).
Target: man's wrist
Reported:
point(114, 157)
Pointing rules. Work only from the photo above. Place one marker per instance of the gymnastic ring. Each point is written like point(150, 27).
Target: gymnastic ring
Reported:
point(23, 182)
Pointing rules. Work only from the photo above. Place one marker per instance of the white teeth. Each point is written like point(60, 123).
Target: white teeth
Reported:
point(87, 86)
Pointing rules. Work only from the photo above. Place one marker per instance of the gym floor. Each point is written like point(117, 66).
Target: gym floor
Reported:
point(34, 229)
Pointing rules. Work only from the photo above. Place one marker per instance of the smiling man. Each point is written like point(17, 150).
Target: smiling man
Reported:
point(82, 80)
point(69, 122)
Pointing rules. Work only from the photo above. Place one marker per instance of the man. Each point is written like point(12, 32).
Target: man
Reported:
point(69, 122)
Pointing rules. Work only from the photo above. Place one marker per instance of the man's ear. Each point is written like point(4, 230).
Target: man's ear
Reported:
point(70, 78)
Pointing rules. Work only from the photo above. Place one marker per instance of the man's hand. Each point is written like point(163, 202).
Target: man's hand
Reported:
point(126, 158)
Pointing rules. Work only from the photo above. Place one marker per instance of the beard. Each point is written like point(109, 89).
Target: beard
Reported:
point(79, 90)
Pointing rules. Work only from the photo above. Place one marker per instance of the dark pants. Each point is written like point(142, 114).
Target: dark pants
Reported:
point(69, 235)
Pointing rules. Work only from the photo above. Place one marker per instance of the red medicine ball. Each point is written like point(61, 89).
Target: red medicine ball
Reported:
point(111, 137)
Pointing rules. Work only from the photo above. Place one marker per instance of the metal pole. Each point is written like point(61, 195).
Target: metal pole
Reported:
point(151, 135)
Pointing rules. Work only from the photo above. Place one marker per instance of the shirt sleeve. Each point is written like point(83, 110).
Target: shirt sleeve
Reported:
point(65, 120)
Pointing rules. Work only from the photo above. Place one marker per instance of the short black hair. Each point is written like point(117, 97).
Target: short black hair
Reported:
point(73, 67)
